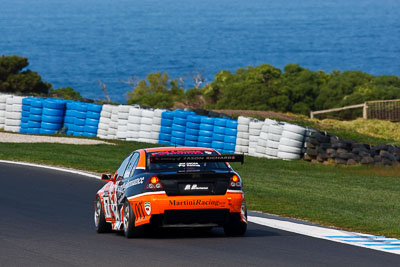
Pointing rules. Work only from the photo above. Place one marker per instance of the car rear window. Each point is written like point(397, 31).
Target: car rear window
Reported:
point(186, 166)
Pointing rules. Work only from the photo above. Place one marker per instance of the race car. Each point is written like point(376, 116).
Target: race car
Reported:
point(172, 187)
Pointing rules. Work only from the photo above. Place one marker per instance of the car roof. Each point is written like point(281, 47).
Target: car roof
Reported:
point(172, 148)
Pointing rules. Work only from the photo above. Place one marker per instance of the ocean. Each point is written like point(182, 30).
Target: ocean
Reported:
point(79, 42)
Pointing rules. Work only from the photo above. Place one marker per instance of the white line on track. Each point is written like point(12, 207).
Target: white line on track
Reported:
point(380, 243)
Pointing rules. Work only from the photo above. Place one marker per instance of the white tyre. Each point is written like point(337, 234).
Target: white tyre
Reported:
point(148, 113)
point(243, 128)
point(243, 135)
point(2, 121)
point(146, 120)
point(123, 116)
point(105, 114)
point(123, 109)
point(103, 126)
point(113, 125)
point(272, 144)
point(275, 129)
point(156, 128)
point(121, 135)
point(264, 128)
point(135, 112)
point(3, 98)
point(122, 128)
point(2, 113)
point(289, 149)
point(290, 142)
point(17, 100)
point(253, 138)
point(134, 119)
point(9, 100)
point(269, 121)
point(14, 115)
point(154, 135)
point(105, 120)
point(114, 117)
point(17, 108)
point(253, 144)
point(102, 136)
point(157, 120)
point(256, 125)
point(241, 149)
point(133, 127)
point(11, 128)
point(101, 132)
point(288, 156)
point(3, 106)
point(9, 107)
point(243, 120)
point(145, 127)
point(292, 135)
point(260, 149)
point(255, 132)
point(262, 143)
point(274, 137)
point(107, 108)
point(111, 131)
point(144, 134)
point(132, 135)
point(271, 152)
point(158, 112)
point(12, 122)
point(242, 142)
point(122, 122)
point(252, 151)
point(144, 140)
point(294, 128)
point(264, 135)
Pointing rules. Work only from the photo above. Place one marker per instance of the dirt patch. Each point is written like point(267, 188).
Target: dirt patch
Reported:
point(258, 113)
point(24, 138)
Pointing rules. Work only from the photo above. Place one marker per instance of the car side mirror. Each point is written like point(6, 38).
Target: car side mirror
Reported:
point(106, 176)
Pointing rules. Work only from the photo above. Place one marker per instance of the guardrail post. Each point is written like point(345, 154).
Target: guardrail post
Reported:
point(365, 116)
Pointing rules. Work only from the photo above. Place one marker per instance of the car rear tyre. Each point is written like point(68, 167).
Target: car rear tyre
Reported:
point(99, 219)
point(235, 227)
point(129, 223)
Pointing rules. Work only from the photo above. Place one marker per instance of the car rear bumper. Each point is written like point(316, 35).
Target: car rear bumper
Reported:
point(185, 211)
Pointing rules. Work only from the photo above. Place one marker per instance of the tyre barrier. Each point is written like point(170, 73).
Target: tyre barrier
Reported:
point(13, 113)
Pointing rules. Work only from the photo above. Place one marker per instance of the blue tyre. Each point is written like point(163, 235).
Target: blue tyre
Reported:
point(77, 133)
point(205, 139)
point(50, 126)
point(79, 128)
point(70, 113)
point(191, 137)
point(81, 107)
point(26, 107)
point(220, 122)
point(36, 111)
point(79, 121)
point(206, 133)
point(203, 144)
point(164, 136)
point(192, 125)
point(230, 139)
point(194, 119)
point(34, 124)
point(180, 114)
point(93, 115)
point(25, 113)
point(52, 119)
point(231, 124)
point(24, 125)
point(180, 121)
point(178, 141)
point(178, 134)
point(179, 128)
point(231, 131)
point(69, 119)
point(70, 126)
point(53, 112)
point(190, 143)
point(26, 101)
point(90, 129)
point(217, 144)
point(33, 131)
point(88, 134)
point(54, 104)
point(71, 105)
point(218, 137)
point(167, 115)
point(37, 103)
point(80, 114)
point(229, 146)
point(94, 108)
point(167, 130)
point(24, 119)
point(192, 131)
point(206, 127)
point(219, 130)
point(92, 122)
point(47, 131)
point(163, 142)
point(33, 117)
point(207, 120)
point(166, 122)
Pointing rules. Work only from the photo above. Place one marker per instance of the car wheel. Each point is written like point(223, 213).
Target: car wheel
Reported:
point(99, 219)
point(235, 227)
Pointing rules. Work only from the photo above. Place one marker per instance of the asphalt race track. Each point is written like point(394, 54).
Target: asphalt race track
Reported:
point(47, 220)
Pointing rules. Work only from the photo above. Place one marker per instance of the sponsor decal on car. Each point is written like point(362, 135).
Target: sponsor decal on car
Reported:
point(196, 202)
point(195, 187)
point(134, 182)
point(147, 208)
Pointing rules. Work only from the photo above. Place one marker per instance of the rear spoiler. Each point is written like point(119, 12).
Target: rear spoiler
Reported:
point(202, 158)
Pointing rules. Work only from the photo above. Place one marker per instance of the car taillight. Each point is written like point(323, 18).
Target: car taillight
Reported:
point(235, 182)
point(153, 183)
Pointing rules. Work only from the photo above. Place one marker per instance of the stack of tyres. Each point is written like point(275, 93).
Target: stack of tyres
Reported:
point(35, 116)
point(135, 115)
point(112, 129)
point(254, 134)
point(274, 136)
point(52, 116)
point(3, 99)
point(69, 117)
point(292, 142)
point(192, 130)
point(179, 127)
point(206, 132)
point(92, 120)
point(13, 114)
point(146, 122)
point(242, 140)
point(104, 122)
point(164, 137)
point(156, 126)
point(230, 136)
point(218, 137)
point(263, 140)
point(26, 107)
point(122, 127)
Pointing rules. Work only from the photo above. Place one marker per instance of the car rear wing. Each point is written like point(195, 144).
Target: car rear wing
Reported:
point(197, 158)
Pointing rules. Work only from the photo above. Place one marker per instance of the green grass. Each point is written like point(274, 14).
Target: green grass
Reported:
point(357, 198)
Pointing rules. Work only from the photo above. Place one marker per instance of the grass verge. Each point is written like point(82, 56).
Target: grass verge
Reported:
point(357, 198)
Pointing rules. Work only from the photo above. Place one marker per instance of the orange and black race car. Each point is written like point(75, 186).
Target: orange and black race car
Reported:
point(172, 187)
